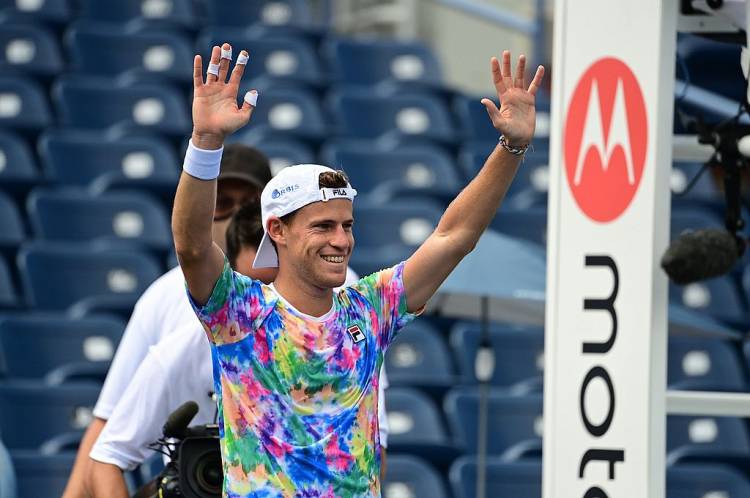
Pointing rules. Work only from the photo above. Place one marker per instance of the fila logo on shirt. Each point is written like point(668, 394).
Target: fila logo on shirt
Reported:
point(355, 333)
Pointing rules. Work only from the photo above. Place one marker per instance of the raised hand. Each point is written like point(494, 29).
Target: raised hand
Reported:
point(516, 117)
point(215, 110)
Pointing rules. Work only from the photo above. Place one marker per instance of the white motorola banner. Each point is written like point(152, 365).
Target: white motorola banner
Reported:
point(606, 325)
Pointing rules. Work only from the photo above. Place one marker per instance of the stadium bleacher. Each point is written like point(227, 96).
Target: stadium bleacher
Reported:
point(94, 116)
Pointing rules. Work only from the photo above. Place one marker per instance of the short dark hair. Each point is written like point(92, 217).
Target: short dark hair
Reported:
point(245, 230)
point(327, 179)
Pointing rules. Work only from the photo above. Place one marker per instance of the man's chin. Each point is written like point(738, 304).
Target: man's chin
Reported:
point(332, 280)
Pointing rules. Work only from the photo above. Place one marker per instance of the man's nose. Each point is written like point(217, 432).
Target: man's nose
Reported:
point(340, 238)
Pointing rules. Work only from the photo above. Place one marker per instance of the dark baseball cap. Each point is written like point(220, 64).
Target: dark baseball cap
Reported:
point(245, 163)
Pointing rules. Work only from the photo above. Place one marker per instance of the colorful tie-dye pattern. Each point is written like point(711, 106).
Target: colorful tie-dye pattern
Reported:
point(298, 396)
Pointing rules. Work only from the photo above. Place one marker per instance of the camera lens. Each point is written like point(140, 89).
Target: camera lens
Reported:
point(209, 474)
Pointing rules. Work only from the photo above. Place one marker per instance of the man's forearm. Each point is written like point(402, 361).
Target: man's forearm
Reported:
point(194, 204)
point(106, 481)
point(76, 487)
point(473, 209)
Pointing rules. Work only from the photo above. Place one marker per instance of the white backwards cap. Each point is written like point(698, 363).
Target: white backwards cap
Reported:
point(292, 188)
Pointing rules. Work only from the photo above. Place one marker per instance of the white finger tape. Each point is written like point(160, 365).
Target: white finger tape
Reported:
point(242, 58)
point(213, 69)
point(251, 98)
point(226, 54)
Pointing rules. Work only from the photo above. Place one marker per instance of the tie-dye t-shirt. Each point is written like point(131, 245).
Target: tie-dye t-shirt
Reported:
point(298, 395)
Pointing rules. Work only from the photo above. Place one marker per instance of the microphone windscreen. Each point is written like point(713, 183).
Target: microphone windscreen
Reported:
point(178, 420)
point(700, 255)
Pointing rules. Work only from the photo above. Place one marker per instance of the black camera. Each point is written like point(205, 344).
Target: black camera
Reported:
point(195, 469)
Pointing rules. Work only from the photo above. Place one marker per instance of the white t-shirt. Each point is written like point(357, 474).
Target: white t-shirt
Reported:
point(162, 311)
point(159, 311)
point(176, 370)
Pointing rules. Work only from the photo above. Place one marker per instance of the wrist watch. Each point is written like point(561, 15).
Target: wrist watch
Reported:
point(515, 150)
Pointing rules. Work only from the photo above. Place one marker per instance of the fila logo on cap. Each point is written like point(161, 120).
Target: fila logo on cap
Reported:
point(356, 333)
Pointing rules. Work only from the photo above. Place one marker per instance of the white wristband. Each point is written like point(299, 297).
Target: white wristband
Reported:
point(201, 163)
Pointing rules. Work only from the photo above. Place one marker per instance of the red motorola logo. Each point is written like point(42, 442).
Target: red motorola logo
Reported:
point(605, 139)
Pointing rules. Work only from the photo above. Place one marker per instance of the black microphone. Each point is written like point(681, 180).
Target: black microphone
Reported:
point(701, 254)
point(178, 420)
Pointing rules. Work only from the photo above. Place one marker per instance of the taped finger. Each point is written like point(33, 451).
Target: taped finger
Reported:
point(226, 53)
point(242, 59)
point(251, 98)
point(213, 69)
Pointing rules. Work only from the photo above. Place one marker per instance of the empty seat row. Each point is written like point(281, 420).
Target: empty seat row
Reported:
point(175, 13)
point(113, 50)
point(34, 346)
point(409, 476)
point(60, 412)
point(57, 348)
point(524, 480)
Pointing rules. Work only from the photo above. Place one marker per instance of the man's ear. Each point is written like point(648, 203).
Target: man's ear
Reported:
point(277, 231)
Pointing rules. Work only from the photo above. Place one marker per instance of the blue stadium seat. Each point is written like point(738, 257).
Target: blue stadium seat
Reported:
point(48, 11)
point(504, 480)
point(419, 357)
point(514, 421)
point(126, 217)
point(18, 169)
point(23, 105)
point(386, 235)
point(705, 481)
point(704, 188)
point(55, 276)
point(101, 50)
point(704, 57)
point(12, 233)
point(704, 365)
point(711, 435)
point(415, 427)
point(180, 13)
point(274, 60)
point(393, 120)
point(290, 113)
point(409, 476)
point(58, 412)
point(41, 475)
point(717, 296)
point(390, 64)
point(33, 346)
point(96, 104)
point(282, 152)
point(242, 14)
point(29, 49)
point(528, 224)
point(81, 158)
point(408, 168)
point(518, 353)
point(532, 179)
point(413, 418)
point(8, 297)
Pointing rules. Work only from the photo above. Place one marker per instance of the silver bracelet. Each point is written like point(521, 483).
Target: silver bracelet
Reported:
point(516, 151)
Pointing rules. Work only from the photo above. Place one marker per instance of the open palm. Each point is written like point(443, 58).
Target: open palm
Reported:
point(215, 109)
point(516, 118)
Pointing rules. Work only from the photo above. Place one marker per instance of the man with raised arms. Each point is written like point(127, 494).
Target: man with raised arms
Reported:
point(297, 364)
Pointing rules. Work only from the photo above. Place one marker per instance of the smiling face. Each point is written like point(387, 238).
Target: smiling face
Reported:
point(317, 242)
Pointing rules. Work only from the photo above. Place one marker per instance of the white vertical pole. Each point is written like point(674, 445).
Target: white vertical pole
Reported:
point(606, 323)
